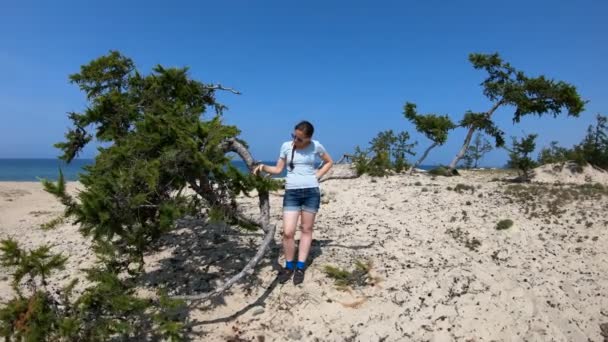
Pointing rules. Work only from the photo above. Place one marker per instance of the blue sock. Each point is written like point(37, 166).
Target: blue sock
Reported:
point(289, 265)
point(301, 265)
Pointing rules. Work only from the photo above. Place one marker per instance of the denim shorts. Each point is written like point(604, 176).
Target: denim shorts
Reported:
point(307, 199)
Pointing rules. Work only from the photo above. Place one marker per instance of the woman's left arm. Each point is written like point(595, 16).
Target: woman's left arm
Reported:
point(327, 164)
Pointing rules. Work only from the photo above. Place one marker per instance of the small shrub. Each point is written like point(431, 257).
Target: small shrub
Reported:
point(358, 277)
point(443, 171)
point(504, 224)
point(460, 188)
point(462, 237)
point(519, 155)
point(52, 224)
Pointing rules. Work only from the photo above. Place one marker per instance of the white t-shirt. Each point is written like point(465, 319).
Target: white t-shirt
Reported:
point(303, 174)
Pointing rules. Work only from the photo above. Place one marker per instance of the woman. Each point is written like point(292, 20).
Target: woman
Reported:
point(302, 196)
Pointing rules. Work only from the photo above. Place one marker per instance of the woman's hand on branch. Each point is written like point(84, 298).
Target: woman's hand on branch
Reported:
point(257, 169)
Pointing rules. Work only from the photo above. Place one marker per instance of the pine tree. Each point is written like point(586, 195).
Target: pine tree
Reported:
point(520, 153)
point(162, 133)
point(476, 151)
point(507, 86)
point(434, 127)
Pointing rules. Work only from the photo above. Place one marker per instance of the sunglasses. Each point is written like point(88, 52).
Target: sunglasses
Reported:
point(296, 138)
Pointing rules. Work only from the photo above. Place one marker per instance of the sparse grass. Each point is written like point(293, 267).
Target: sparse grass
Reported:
point(460, 188)
point(462, 237)
point(504, 224)
point(550, 200)
point(52, 224)
point(360, 276)
point(443, 171)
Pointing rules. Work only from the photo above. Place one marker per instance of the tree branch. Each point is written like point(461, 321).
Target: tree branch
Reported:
point(233, 145)
point(248, 269)
point(221, 87)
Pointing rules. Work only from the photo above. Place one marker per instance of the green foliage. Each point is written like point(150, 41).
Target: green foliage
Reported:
point(161, 139)
point(169, 318)
point(434, 127)
point(400, 149)
point(462, 237)
point(504, 224)
point(443, 171)
point(554, 154)
point(460, 188)
point(52, 224)
point(37, 264)
point(519, 155)
point(387, 152)
point(476, 151)
point(358, 277)
point(360, 160)
point(544, 200)
point(108, 308)
point(163, 132)
point(29, 319)
point(594, 147)
point(529, 95)
point(507, 86)
point(483, 123)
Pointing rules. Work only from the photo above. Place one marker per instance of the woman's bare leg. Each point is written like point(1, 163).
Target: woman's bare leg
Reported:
point(290, 222)
point(308, 220)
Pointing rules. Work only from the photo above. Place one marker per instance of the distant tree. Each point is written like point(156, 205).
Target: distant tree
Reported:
point(400, 149)
point(434, 127)
point(554, 154)
point(594, 147)
point(519, 155)
point(475, 152)
point(387, 152)
point(506, 86)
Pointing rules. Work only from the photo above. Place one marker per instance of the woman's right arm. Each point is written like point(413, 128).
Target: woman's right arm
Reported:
point(273, 170)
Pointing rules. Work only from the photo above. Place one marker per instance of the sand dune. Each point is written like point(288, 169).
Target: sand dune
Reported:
point(441, 270)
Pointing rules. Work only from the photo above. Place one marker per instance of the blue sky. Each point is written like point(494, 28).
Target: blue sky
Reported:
point(347, 66)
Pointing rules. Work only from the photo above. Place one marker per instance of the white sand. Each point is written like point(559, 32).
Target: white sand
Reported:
point(567, 173)
point(545, 278)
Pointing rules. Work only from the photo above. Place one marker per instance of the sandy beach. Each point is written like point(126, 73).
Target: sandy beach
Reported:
point(441, 271)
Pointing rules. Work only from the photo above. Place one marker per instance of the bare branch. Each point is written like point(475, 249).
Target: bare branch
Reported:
point(248, 269)
point(221, 87)
point(233, 145)
point(346, 158)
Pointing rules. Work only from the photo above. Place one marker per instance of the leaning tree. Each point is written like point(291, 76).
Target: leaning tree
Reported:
point(475, 152)
point(161, 134)
point(434, 127)
point(506, 86)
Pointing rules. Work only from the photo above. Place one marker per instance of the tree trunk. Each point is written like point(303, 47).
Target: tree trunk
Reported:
point(463, 149)
point(423, 157)
point(467, 140)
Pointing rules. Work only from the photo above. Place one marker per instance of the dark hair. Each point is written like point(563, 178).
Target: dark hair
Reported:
point(305, 127)
point(309, 130)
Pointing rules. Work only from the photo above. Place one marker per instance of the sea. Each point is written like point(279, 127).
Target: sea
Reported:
point(28, 170)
